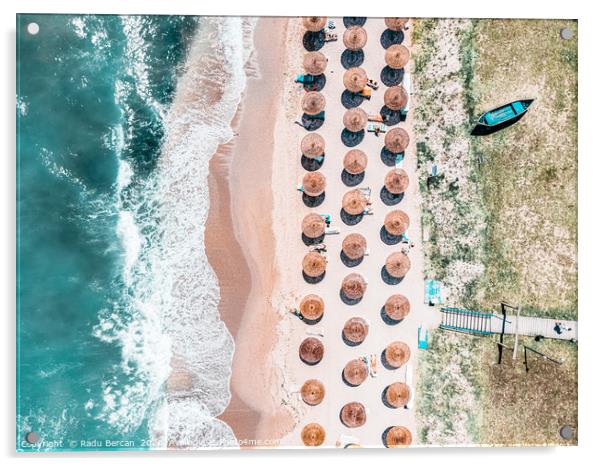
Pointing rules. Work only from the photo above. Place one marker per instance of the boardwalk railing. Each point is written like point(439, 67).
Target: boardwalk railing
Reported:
point(466, 321)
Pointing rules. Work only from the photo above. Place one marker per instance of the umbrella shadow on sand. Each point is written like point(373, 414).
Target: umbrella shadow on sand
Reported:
point(310, 241)
point(387, 157)
point(314, 41)
point(317, 85)
point(389, 198)
point(311, 123)
point(349, 21)
point(385, 363)
point(386, 319)
point(311, 165)
point(352, 58)
point(348, 261)
point(313, 280)
point(388, 238)
point(349, 219)
point(390, 37)
point(349, 343)
point(347, 300)
point(391, 117)
point(388, 278)
point(383, 397)
point(313, 201)
point(352, 139)
point(351, 100)
point(391, 77)
point(350, 179)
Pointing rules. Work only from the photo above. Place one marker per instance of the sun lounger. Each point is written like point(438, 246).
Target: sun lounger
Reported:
point(319, 332)
point(300, 187)
point(345, 440)
point(367, 252)
point(373, 84)
point(332, 231)
point(320, 158)
point(399, 161)
point(368, 211)
point(367, 191)
point(374, 127)
point(305, 79)
point(366, 93)
point(326, 218)
point(331, 24)
point(378, 118)
point(373, 365)
point(330, 36)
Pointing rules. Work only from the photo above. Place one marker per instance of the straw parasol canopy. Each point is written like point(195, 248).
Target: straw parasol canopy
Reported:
point(397, 394)
point(355, 79)
point(354, 202)
point(313, 103)
point(354, 286)
point(396, 24)
point(397, 354)
point(313, 225)
point(311, 350)
point(397, 222)
point(396, 98)
point(315, 63)
point(355, 38)
point(353, 414)
point(355, 119)
point(397, 264)
point(355, 372)
point(314, 184)
point(311, 307)
point(312, 145)
point(354, 246)
point(314, 23)
point(313, 435)
point(312, 392)
point(355, 161)
point(397, 181)
point(396, 140)
point(398, 437)
point(355, 330)
point(397, 307)
point(314, 264)
point(397, 56)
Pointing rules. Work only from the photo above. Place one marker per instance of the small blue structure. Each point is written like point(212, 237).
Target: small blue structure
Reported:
point(432, 292)
point(423, 338)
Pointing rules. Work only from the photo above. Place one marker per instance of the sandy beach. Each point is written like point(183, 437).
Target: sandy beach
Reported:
point(262, 280)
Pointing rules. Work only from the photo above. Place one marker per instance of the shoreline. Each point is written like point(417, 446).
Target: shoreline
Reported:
point(237, 216)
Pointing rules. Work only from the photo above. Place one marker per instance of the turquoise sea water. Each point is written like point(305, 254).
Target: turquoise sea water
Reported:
point(92, 95)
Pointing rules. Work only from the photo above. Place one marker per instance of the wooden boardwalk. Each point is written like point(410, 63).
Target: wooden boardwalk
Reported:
point(533, 326)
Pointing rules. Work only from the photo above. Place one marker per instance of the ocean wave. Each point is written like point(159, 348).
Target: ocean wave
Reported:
point(168, 308)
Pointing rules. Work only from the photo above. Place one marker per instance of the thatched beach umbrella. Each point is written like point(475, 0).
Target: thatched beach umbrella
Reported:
point(313, 435)
point(397, 394)
point(311, 350)
point(354, 286)
point(315, 63)
point(355, 372)
point(314, 184)
point(314, 23)
point(314, 264)
point(313, 225)
point(354, 202)
point(355, 79)
point(355, 38)
point(353, 414)
point(311, 307)
point(397, 181)
point(396, 98)
point(396, 24)
point(397, 222)
point(355, 161)
point(397, 56)
point(397, 307)
point(313, 103)
point(397, 354)
point(354, 246)
point(355, 330)
point(312, 145)
point(397, 264)
point(312, 392)
point(355, 120)
point(396, 140)
point(398, 437)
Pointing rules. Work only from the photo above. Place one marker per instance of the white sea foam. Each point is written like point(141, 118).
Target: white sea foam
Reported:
point(170, 306)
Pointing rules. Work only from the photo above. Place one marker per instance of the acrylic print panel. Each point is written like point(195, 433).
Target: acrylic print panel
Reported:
point(286, 232)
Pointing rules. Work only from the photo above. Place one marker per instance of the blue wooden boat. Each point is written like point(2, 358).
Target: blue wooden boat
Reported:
point(502, 117)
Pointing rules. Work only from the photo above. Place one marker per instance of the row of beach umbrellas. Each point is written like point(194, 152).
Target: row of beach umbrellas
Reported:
point(354, 245)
